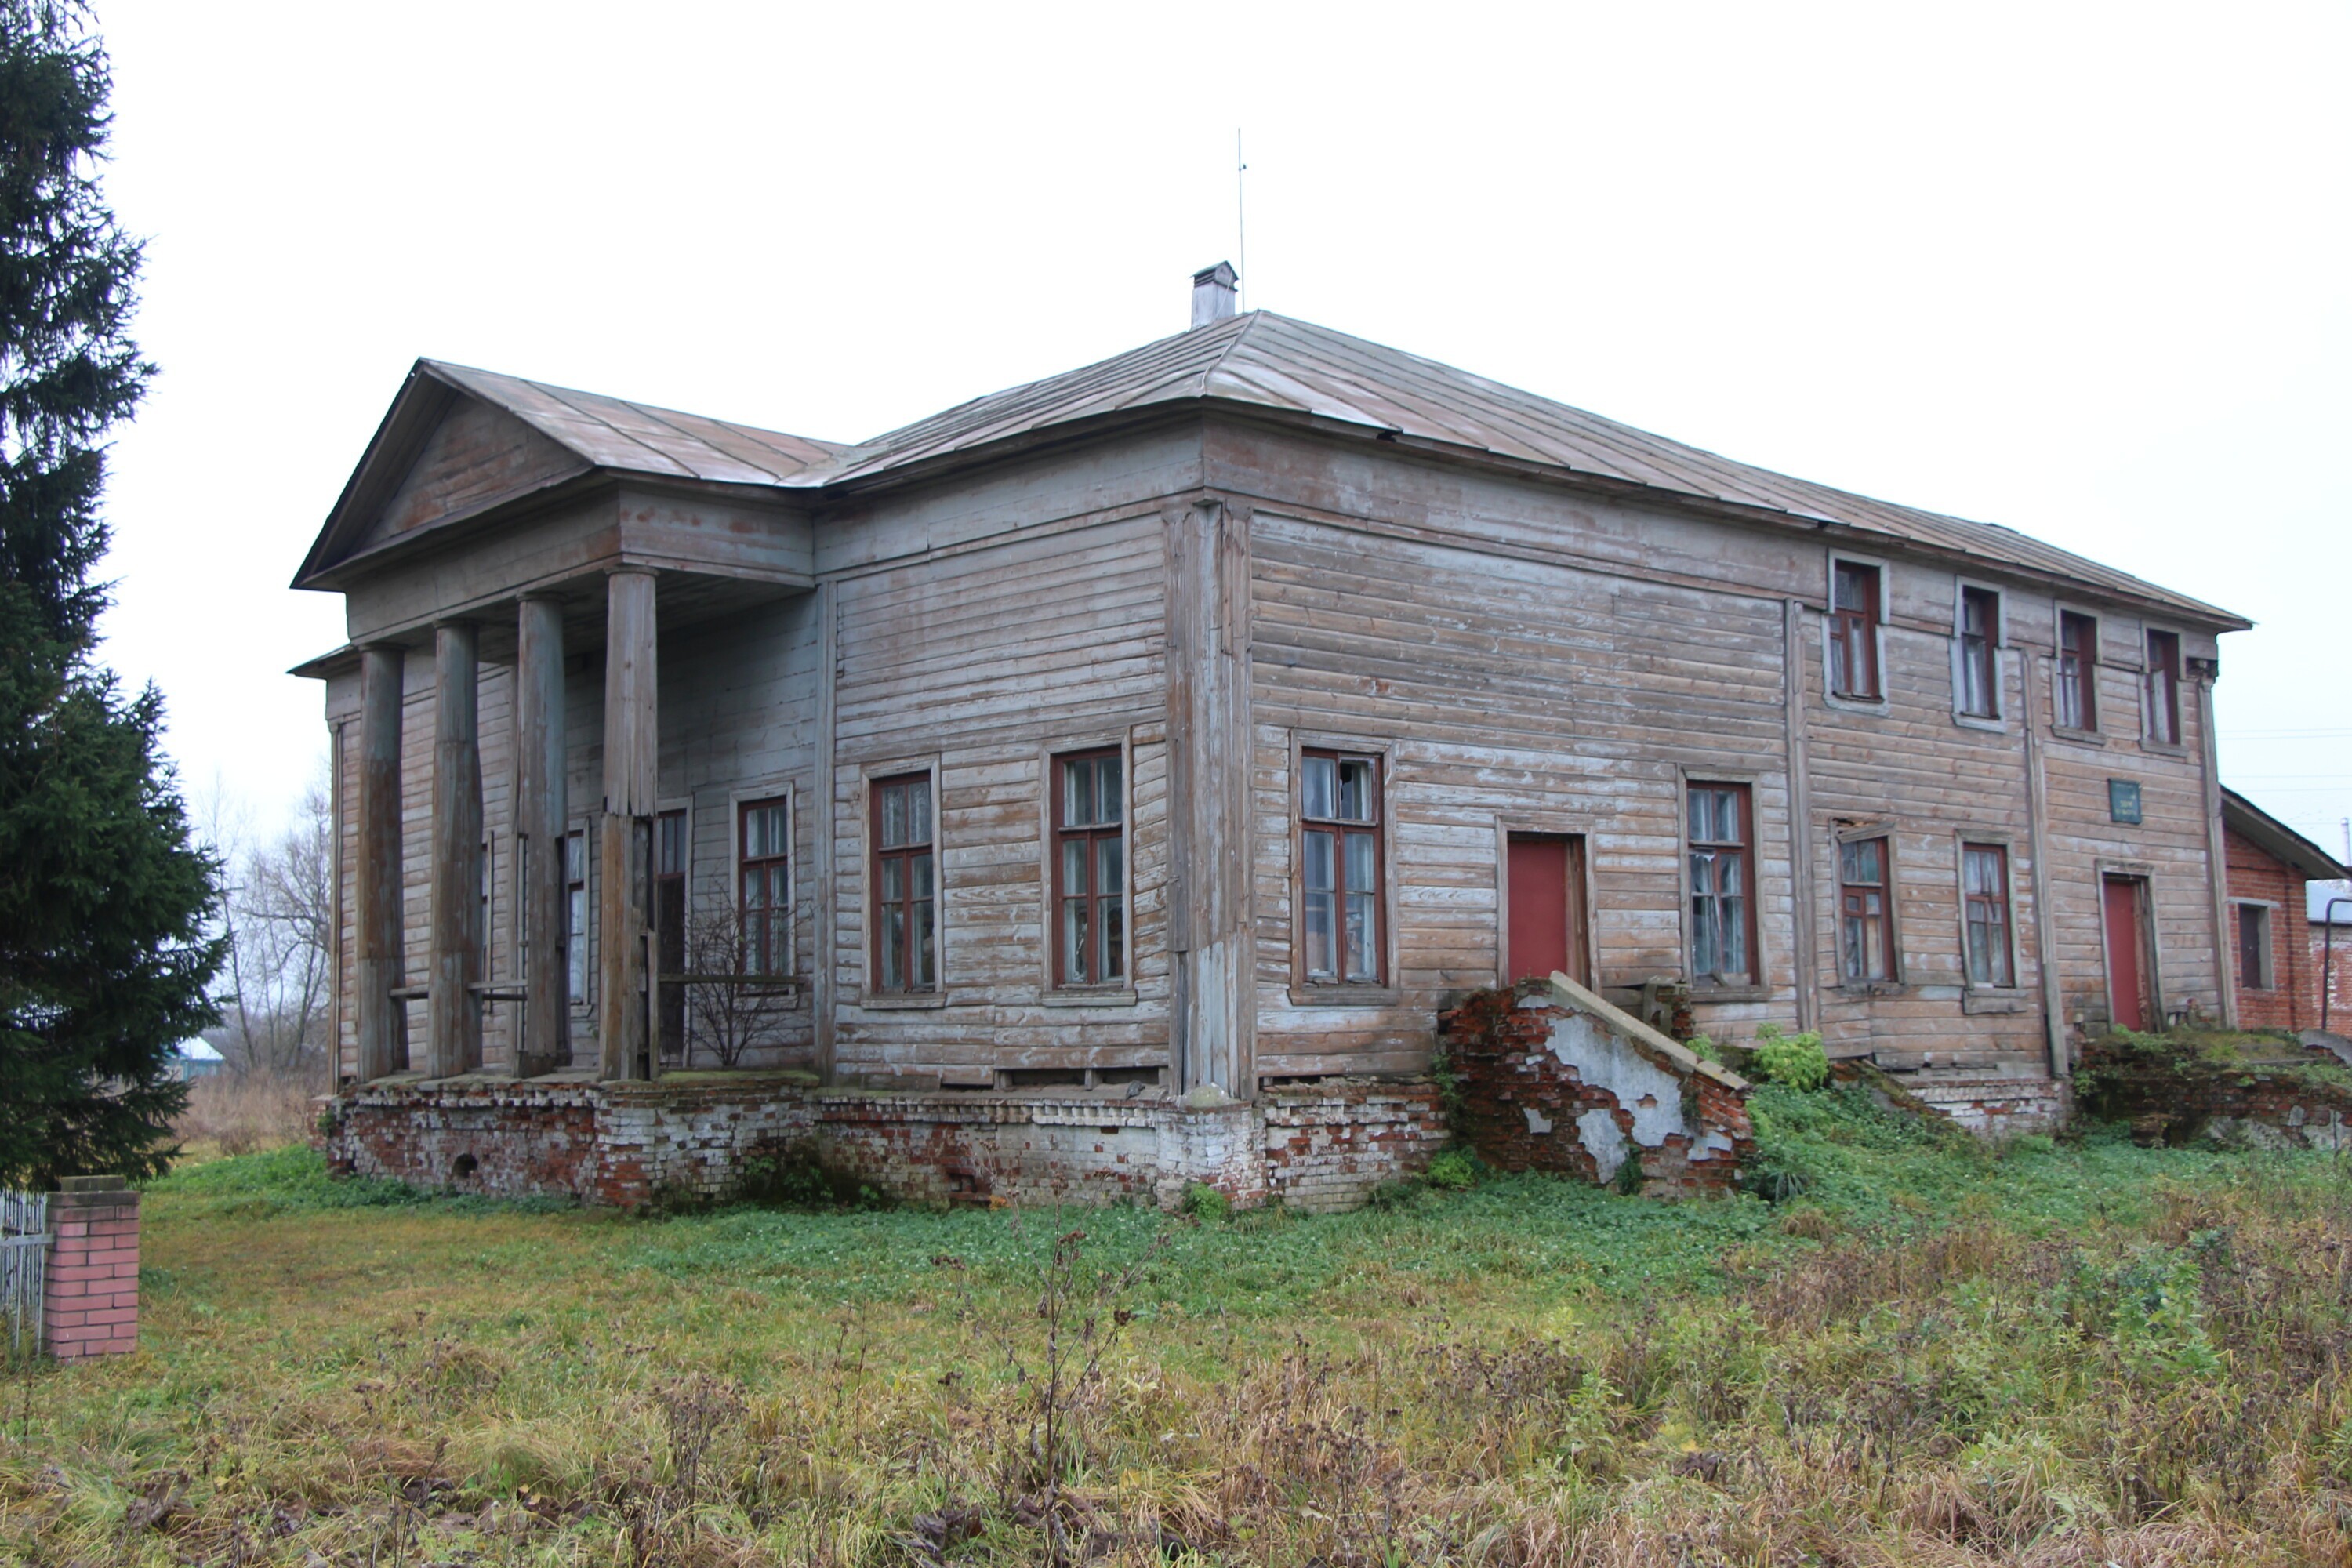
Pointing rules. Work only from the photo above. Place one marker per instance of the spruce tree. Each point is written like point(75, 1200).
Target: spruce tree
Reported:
point(107, 955)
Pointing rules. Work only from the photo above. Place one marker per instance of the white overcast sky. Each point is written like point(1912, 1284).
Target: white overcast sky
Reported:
point(2078, 269)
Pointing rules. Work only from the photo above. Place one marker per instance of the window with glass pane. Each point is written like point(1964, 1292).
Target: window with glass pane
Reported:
point(1722, 929)
point(1339, 870)
point(1980, 644)
point(575, 914)
point(1866, 915)
point(763, 863)
point(2163, 687)
point(2078, 664)
point(1089, 869)
point(1984, 887)
point(2254, 947)
point(906, 894)
point(1853, 630)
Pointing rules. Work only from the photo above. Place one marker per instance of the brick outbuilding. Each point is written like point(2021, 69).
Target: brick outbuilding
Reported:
point(2275, 949)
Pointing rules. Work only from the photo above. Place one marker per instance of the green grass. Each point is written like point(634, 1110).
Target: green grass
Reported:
point(2076, 1350)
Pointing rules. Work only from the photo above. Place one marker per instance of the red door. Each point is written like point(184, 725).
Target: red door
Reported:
point(2127, 986)
point(1545, 931)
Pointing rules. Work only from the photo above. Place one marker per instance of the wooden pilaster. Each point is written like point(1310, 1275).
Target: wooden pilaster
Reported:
point(624, 839)
point(1804, 930)
point(2217, 849)
point(1212, 1027)
point(383, 1020)
point(541, 811)
point(452, 1010)
point(2037, 822)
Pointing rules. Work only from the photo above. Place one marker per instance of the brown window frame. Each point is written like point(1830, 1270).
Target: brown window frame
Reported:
point(1999, 904)
point(2254, 919)
point(2077, 670)
point(1105, 910)
point(1702, 855)
point(908, 854)
point(1849, 919)
point(579, 974)
point(1343, 894)
point(1853, 633)
point(2162, 685)
point(766, 946)
point(1980, 654)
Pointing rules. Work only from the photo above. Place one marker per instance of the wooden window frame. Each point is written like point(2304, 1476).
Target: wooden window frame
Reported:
point(2172, 709)
point(1055, 991)
point(579, 945)
point(1996, 666)
point(738, 804)
point(871, 994)
point(1580, 921)
point(1875, 700)
point(1304, 992)
point(1708, 988)
point(2090, 732)
point(1967, 841)
point(1891, 924)
point(2267, 913)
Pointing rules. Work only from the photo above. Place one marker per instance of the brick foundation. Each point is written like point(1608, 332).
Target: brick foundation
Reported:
point(1554, 1078)
point(1995, 1108)
point(89, 1303)
point(692, 1136)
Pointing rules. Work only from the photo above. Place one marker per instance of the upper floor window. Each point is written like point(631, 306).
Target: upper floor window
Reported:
point(1866, 913)
point(2163, 687)
point(905, 886)
point(2078, 671)
point(1980, 691)
point(1723, 908)
point(1089, 869)
point(763, 876)
point(1855, 616)
point(1339, 868)
point(1984, 891)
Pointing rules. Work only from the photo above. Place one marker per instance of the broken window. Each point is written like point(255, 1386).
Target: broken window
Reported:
point(1722, 928)
point(1980, 691)
point(1339, 868)
point(763, 865)
point(2254, 972)
point(1854, 631)
point(1984, 889)
point(2163, 687)
point(1089, 869)
point(906, 894)
point(2078, 667)
point(1866, 913)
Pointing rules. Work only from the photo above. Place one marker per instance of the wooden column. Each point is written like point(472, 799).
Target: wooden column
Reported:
point(540, 813)
point(624, 836)
point(2037, 824)
point(2217, 847)
point(452, 1010)
point(824, 982)
point(383, 1021)
point(1212, 1014)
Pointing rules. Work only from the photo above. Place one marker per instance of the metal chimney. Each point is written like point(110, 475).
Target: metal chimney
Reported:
point(1212, 293)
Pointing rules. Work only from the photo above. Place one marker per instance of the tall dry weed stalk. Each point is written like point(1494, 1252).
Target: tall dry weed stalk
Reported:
point(243, 1113)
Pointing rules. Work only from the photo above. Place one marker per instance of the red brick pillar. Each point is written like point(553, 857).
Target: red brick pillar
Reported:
point(91, 1299)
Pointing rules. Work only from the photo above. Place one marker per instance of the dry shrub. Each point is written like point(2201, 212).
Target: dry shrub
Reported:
point(242, 1113)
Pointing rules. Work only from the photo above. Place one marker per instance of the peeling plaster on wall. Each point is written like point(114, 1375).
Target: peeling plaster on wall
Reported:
point(1604, 1141)
point(1606, 1062)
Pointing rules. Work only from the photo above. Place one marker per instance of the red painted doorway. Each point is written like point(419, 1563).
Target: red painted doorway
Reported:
point(1544, 923)
point(2127, 953)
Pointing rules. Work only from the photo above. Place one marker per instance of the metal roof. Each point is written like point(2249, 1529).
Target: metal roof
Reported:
point(638, 438)
point(2276, 840)
point(1270, 361)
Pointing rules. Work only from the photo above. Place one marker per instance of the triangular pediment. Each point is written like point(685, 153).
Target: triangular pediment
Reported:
point(474, 457)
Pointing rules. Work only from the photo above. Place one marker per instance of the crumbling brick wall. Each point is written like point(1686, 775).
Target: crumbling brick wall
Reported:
point(1327, 1144)
point(1552, 1078)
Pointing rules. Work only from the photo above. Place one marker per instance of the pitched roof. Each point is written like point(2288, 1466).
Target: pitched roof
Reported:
point(2276, 840)
point(1270, 361)
point(639, 438)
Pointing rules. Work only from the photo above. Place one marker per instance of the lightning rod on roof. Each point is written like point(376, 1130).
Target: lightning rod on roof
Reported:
point(1241, 218)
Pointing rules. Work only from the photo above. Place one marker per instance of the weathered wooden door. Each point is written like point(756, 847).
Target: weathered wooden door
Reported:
point(669, 927)
point(2126, 949)
point(1544, 925)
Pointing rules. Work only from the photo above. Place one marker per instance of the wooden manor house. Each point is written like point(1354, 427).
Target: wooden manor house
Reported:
point(1106, 784)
